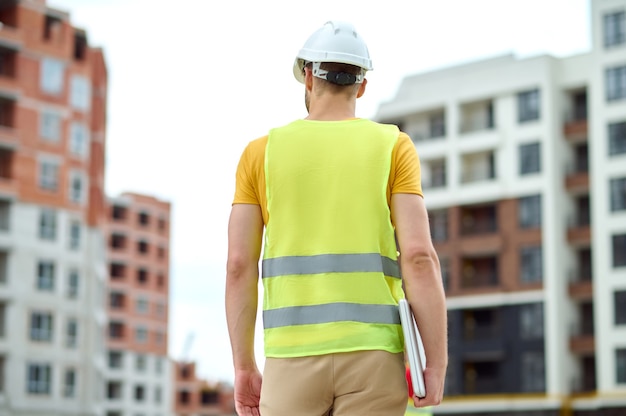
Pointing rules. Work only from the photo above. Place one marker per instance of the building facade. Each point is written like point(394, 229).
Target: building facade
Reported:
point(52, 255)
point(524, 173)
point(138, 375)
point(197, 397)
point(83, 317)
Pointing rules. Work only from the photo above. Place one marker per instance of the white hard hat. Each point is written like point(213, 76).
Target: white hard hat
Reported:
point(336, 41)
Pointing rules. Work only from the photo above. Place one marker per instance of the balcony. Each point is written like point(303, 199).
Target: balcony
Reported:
point(582, 340)
point(428, 126)
point(478, 167)
point(581, 286)
point(575, 126)
point(479, 220)
point(582, 344)
point(434, 174)
point(479, 272)
point(477, 116)
point(575, 129)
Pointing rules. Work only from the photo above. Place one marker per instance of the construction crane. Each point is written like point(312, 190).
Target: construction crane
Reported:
point(187, 347)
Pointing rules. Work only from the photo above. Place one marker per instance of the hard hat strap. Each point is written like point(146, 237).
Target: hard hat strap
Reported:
point(339, 78)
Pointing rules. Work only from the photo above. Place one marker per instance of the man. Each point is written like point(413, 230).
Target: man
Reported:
point(334, 194)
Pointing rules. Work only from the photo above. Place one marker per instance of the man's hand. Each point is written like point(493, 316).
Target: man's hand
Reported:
point(247, 392)
point(434, 379)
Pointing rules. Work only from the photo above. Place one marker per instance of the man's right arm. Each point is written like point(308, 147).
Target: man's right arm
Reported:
point(424, 289)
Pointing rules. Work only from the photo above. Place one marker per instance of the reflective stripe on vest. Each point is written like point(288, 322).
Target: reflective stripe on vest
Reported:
point(331, 312)
point(330, 263)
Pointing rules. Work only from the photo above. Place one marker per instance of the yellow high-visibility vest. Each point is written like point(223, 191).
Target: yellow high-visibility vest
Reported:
point(330, 272)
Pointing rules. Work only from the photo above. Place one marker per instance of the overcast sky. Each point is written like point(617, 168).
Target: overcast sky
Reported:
point(191, 82)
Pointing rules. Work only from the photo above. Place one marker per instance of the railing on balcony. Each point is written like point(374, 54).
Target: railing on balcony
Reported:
point(479, 280)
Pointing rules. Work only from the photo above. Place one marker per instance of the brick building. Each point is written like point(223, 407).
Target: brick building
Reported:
point(53, 90)
point(197, 397)
point(524, 172)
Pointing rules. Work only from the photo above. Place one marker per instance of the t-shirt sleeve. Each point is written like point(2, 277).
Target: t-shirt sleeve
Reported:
point(407, 179)
point(248, 175)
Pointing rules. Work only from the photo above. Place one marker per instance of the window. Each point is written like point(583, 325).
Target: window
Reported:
point(209, 397)
point(160, 280)
point(142, 276)
point(531, 321)
point(143, 218)
point(141, 334)
point(159, 337)
point(47, 224)
point(116, 330)
point(439, 225)
point(620, 365)
point(69, 383)
point(533, 371)
point(2, 361)
point(118, 241)
point(41, 326)
point(141, 306)
point(115, 359)
point(614, 29)
point(79, 139)
point(117, 270)
point(45, 275)
point(48, 175)
point(619, 250)
point(158, 365)
point(114, 390)
point(162, 224)
point(3, 308)
point(161, 252)
point(529, 211)
point(158, 395)
point(619, 303)
point(618, 194)
point(117, 300)
point(73, 283)
point(434, 173)
point(532, 264)
point(140, 362)
point(530, 158)
point(528, 106)
point(77, 187)
point(184, 397)
point(437, 125)
point(71, 339)
point(38, 380)
point(617, 138)
point(140, 393)
point(80, 93)
point(51, 76)
point(160, 309)
point(75, 235)
point(142, 247)
point(616, 83)
point(118, 212)
point(50, 126)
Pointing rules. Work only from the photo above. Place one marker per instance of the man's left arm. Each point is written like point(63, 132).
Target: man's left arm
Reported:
point(245, 232)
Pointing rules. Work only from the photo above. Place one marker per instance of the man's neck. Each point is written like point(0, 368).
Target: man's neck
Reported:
point(331, 108)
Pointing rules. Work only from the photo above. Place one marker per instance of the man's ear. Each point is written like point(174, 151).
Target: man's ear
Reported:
point(361, 91)
point(308, 78)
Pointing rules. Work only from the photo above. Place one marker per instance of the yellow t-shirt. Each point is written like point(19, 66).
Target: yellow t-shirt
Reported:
point(404, 176)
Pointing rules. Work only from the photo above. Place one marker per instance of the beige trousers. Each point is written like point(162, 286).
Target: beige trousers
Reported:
point(363, 383)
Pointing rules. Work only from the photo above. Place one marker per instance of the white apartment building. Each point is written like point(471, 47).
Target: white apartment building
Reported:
point(51, 313)
point(524, 174)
